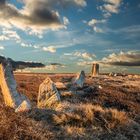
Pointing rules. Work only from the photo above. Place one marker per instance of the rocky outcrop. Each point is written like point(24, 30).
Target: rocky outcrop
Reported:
point(48, 94)
point(8, 86)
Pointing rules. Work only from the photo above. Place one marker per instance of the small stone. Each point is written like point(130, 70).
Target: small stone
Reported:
point(100, 87)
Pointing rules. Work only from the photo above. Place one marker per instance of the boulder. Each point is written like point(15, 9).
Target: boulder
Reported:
point(48, 94)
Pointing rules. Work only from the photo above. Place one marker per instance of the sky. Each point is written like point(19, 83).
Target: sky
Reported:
point(70, 35)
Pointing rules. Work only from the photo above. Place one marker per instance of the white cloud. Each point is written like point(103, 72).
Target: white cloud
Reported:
point(81, 2)
point(25, 45)
point(48, 67)
point(66, 21)
point(94, 22)
point(123, 59)
point(110, 7)
point(49, 49)
point(88, 56)
point(36, 46)
point(97, 29)
point(2, 48)
point(114, 2)
point(11, 34)
point(36, 15)
point(36, 32)
point(67, 54)
point(84, 63)
point(81, 54)
point(107, 14)
point(129, 58)
point(3, 37)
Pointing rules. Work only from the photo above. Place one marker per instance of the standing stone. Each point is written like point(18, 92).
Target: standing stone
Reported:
point(95, 70)
point(9, 88)
point(80, 79)
point(48, 94)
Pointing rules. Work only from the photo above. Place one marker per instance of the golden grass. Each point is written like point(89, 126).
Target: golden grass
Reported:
point(83, 115)
point(68, 121)
point(110, 113)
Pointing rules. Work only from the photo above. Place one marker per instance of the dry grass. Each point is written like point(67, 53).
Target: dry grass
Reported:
point(107, 114)
point(79, 122)
point(88, 115)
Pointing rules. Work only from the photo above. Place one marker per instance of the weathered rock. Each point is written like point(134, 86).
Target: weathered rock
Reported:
point(24, 106)
point(8, 85)
point(95, 70)
point(80, 79)
point(48, 94)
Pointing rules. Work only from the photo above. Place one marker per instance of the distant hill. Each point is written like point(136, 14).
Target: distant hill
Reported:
point(21, 64)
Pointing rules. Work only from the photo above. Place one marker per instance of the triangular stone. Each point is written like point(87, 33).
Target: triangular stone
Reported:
point(80, 79)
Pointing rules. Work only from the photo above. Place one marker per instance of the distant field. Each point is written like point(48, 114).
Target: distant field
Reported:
point(109, 112)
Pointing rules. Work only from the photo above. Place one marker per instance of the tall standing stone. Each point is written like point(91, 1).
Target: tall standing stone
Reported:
point(48, 94)
point(80, 79)
point(9, 88)
point(95, 69)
